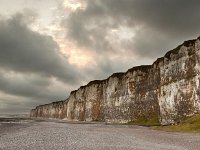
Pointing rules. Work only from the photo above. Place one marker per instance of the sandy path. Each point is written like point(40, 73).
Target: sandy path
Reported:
point(33, 135)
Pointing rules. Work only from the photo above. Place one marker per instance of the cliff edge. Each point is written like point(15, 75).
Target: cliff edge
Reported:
point(167, 90)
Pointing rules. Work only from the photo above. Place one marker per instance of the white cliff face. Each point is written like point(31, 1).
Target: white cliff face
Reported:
point(52, 110)
point(86, 104)
point(180, 84)
point(168, 90)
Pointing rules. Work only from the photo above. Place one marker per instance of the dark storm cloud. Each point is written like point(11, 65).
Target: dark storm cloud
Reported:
point(32, 70)
point(24, 50)
point(24, 85)
point(162, 24)
point(22, 92)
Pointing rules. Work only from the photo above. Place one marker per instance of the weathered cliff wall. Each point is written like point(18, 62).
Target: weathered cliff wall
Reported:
point(53, 110)
point(168, 89)
point(179, 87)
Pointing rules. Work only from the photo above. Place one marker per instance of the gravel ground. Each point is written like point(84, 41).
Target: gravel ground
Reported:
point(54, 135)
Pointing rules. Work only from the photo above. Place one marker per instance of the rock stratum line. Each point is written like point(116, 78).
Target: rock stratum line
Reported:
point(168, 90)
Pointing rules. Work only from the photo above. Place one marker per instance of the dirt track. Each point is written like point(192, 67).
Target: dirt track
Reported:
point(50, 135)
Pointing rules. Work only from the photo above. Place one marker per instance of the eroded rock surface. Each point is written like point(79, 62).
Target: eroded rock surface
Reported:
point(168, 90)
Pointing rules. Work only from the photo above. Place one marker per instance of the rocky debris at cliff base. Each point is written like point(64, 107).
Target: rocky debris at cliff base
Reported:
point(52, 135)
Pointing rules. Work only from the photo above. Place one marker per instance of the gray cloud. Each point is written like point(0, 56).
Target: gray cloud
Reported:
point(162, 24)
point(28, 90)
point(24, 85)
point(32, 70)
point(23, 50)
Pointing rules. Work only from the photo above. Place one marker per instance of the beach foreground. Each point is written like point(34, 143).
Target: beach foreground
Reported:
point(21, 134)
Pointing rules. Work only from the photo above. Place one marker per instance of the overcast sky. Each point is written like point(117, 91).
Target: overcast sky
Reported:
point(50, 47)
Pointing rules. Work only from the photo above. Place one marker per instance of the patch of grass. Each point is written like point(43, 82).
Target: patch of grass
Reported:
point(189, 124)
point(150, 121)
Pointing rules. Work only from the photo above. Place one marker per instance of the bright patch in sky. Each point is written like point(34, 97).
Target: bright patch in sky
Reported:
point(73, 4)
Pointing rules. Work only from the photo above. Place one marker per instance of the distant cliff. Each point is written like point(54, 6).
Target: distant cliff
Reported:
point(168, 90)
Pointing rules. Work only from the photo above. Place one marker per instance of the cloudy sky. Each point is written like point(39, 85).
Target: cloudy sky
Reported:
point(50, 47)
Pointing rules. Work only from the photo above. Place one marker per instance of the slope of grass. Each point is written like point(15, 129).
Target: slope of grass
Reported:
point(151, 121)
point(189, 124)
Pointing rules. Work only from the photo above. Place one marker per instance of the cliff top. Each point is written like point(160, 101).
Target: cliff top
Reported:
point(53, 103)
point(176, 50)
point(144, 68)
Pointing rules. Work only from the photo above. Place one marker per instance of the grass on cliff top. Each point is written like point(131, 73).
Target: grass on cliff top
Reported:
point(152, 121)
point(189, 124)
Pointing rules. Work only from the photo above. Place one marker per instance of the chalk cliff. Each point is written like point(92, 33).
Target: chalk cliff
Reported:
point(169, 89)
